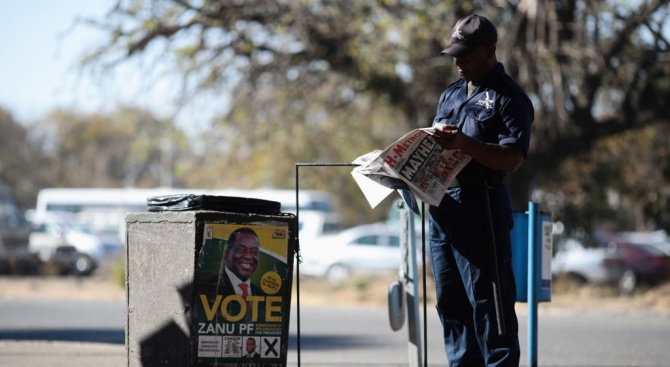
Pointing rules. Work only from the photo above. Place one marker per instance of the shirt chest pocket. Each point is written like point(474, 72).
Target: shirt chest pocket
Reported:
point(480, 122)
point(445, 115)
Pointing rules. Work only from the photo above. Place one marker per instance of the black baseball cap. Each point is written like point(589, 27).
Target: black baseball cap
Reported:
point(468, 34)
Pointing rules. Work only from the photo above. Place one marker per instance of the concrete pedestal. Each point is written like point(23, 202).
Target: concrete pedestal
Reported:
point(162, 263)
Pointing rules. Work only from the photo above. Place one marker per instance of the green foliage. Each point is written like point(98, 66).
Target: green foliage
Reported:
point(623, 183)
point(361, 283)
point(22, 167)
point(125, 148)
point(326, 81)
point(117, 272)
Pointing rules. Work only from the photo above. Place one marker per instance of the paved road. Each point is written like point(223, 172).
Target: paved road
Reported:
point(86, 333)
point(62, 320)
point(62, 333)
point(568, 339)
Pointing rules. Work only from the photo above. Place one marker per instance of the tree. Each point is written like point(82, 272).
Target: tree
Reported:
point(596, 69)
point(592, 68)
point(123, 149)
point(21, 166)
point(623, 183)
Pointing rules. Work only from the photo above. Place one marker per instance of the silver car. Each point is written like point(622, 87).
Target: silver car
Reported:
point(370, 249)
point(596, 265)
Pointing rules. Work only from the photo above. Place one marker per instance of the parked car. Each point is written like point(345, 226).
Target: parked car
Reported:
point(54, 237)
point(624, 259)
point(597, 264)
point(14, 231)
point(56, 255)
point(370, 249)
point(313, 224)
point(645, 258)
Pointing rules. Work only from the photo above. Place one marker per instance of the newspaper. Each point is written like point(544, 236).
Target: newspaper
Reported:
point(415, 165)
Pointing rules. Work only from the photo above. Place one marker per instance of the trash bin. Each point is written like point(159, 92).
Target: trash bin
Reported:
point(186, 258)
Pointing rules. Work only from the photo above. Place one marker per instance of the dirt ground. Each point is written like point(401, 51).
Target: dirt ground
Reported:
point(57, 287)
point(566, 296)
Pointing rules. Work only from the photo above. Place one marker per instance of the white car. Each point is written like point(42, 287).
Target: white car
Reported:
point(313, 224)
point(371, 249)
point(596, 265)
point(54, 232)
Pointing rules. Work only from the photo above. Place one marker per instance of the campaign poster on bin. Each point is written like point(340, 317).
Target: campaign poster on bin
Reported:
point(243, 290)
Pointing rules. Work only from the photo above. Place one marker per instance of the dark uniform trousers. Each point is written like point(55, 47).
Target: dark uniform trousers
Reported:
point(462, 271)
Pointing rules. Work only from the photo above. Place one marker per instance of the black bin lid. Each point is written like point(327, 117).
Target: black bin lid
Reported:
point(184, 202)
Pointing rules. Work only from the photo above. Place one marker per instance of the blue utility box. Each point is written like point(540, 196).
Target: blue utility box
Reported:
point(532, 251)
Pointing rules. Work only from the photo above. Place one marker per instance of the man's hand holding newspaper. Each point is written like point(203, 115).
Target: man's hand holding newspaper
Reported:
point(414, 163)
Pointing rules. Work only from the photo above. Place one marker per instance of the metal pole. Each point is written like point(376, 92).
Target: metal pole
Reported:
point(532, 284)
point(495, 276)
point(297, 237)
point(297, 259)
point(423, 265)
point(410, 277)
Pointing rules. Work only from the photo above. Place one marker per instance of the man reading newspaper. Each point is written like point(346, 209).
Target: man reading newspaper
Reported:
point(488, 116)
point(481, 131)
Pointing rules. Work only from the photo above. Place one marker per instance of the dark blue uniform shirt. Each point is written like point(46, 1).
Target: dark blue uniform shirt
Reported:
point(498, 111)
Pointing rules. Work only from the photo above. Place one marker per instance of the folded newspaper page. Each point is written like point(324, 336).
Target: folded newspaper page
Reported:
point(414, 163)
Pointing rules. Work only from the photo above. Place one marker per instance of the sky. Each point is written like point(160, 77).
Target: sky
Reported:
point(39, 53)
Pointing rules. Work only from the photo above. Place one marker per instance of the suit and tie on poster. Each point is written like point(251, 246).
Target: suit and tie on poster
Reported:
point(243, 289)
